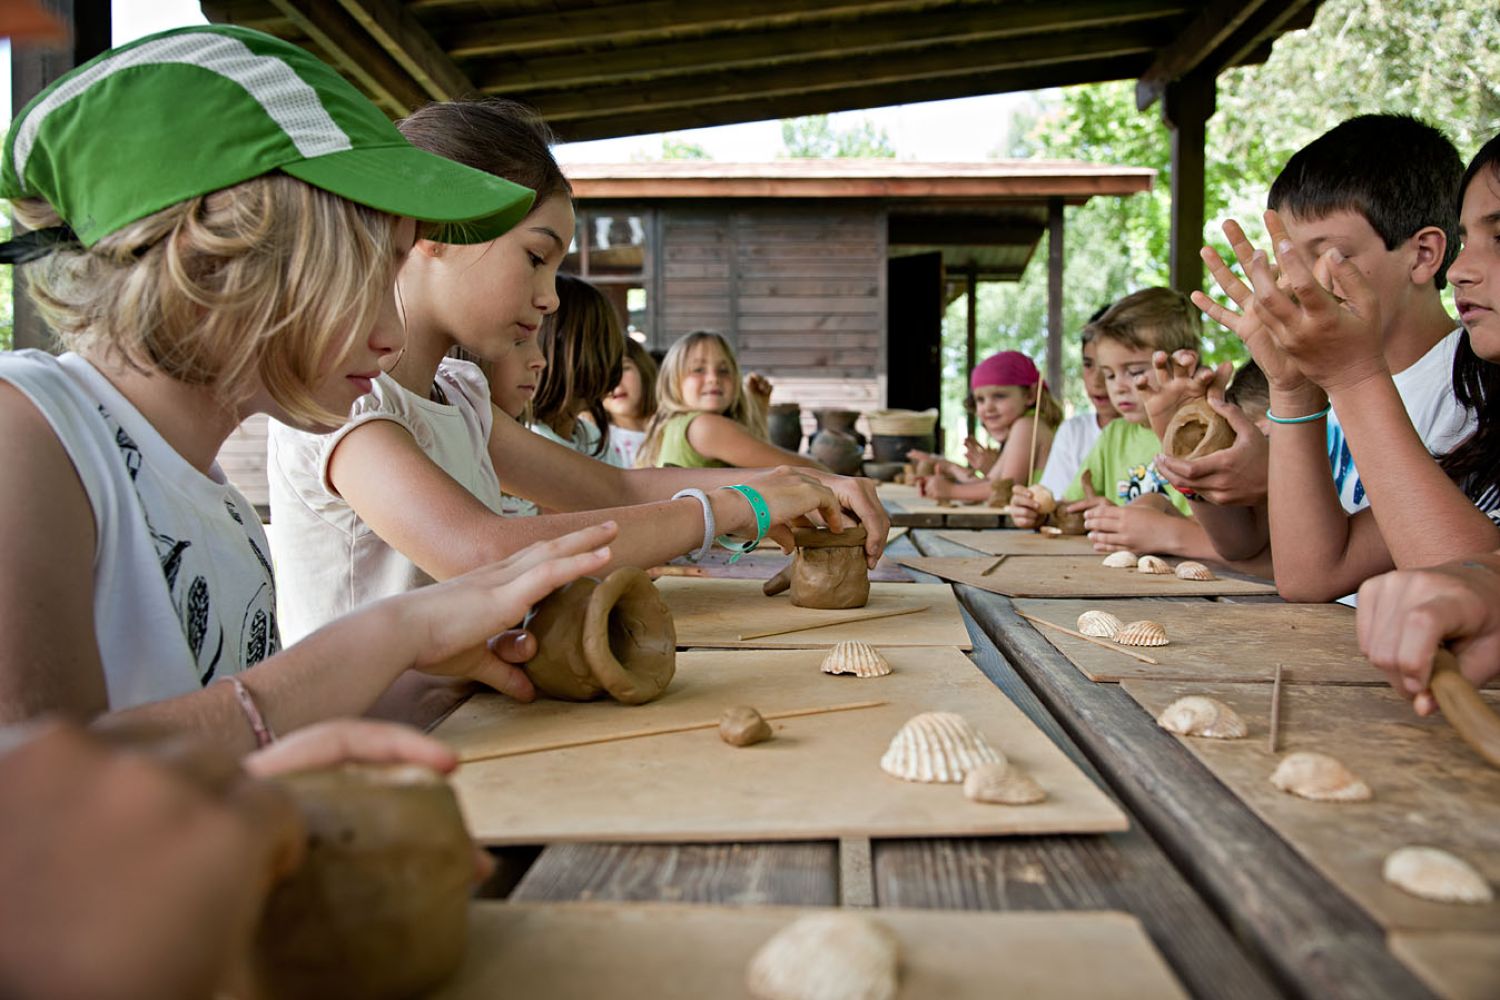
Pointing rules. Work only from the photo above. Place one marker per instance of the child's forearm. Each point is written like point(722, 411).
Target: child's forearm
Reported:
point(976, 491)
point(1234, 532)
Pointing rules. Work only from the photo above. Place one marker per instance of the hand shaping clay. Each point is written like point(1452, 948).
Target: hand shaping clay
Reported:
point(829, 570)
point(614, 636)
point(1197, 430)
point(379, 908)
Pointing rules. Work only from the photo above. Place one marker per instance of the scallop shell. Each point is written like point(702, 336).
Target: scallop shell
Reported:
point(1190, 570)
point(1143, 633)
point(1100, 624)
point(1051, 531)
point(937, 747)
point(1437, 875)
point(1002, 783)
point(1154, 565)
point(1319, 777)
point(858, 658)
point(834, 955)
point(1196, 715)
point(1121, 560)
point(1046, 503)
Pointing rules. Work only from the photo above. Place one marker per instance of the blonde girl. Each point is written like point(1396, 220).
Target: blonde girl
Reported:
point(705, 418)
point(409, 490)
point(632, 404)
point(243, 268)
point(583, 345)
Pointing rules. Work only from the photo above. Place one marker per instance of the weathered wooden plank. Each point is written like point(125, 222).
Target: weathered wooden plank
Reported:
point(867, 287)
point(786, 306)
point(771, 323)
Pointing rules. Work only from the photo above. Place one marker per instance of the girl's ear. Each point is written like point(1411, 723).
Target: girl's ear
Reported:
point(428, 248)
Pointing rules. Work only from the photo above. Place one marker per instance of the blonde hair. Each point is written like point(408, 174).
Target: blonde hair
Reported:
point(1157, 318)
point(669, 401)
point(269, 278)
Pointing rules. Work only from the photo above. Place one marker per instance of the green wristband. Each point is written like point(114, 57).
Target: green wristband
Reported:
point(762, 523)
point(1299, 420)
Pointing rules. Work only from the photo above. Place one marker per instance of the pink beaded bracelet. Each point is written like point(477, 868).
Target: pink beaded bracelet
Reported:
point(258, 725)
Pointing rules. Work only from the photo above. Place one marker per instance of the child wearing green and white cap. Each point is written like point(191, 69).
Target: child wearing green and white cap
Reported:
point(217, 220)
point(410, 489)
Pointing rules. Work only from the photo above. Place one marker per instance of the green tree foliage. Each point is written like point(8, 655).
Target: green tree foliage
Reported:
point(674, 147)
point(1437, 59)
point(814, 137)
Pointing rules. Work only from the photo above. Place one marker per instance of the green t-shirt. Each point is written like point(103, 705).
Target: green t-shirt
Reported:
point(1123, 462)
point(675, 449)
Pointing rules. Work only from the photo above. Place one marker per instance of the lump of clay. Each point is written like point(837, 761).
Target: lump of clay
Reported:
point(937, 747)
point(614, 636)
point(1067, 522)
point(829, 570)
point(1197, 430)
point(1196, 715)
point(778, 583)
point(858, 658)
point(1121, 560)
point(1099, 624)
point(1046, 503)
point(1154, 565)
point(379, 908)
point(1319, 777)
point(1142, 633)
point(1002, 783)
point(1000, 492)
point(837, 955)
point(1190, 570)
point(1436, 875)
point(742, 725)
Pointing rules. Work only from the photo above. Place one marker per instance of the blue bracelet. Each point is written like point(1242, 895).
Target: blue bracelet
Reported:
point(762, 523)
point(1300, 420)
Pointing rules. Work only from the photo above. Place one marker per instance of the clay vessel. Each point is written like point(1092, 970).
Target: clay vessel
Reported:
point(839, 420)
point(379, 908)
point(1196, 431)
point(839, 451)
point(614, 636)
point(784, 425)
point(1068, 522)
point(829, 570)
point(1000, 492)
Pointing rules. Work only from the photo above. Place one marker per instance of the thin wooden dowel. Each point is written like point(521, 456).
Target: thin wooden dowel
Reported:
point(1088, 638)
point(994, 565)
point(636, 734)
point(1035, 427)
point(1275, 711)
point(846, 620)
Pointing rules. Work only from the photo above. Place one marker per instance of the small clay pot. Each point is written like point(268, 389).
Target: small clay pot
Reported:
point(379, 907)
point(839, 420)
point(1197, 430)
point(1068, 523)
point(829, 569)
point(839, 451)
point(784, 426)
point(1000, 492)
point(594, 637)
point(894, 447)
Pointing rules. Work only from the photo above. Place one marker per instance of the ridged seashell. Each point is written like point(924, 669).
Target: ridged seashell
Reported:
point(1099, 624)
point(1051, 531)
point(1002, 783)
point(1319, 777)
point(1121, 560)
point(858, 658)
point(1196, 715)
point(1190, 570)
point(827, 956)
point(938, 747)
point(1155, 565)
point(1437, 875)
point(1046, 503)
point(1143, 633)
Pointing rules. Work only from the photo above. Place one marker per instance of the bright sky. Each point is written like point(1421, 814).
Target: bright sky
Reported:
point(973, 128)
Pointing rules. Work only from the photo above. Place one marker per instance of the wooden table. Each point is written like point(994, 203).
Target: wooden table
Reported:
point(1231, 907)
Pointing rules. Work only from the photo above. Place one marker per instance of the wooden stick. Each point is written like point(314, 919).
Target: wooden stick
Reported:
point(1088, 638)
point(1035, 426)
point(1275, 711)
point(846, 620)
point(994, 565)
point(636, 734)
point(1463, 707)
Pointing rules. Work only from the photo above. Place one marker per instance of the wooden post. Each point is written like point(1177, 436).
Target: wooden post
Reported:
point(971, 344)
point(32, 69)
point(1186, 107)
point(1054, 295)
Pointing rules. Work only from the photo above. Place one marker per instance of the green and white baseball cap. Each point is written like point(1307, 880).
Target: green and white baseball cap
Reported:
point(185, 112)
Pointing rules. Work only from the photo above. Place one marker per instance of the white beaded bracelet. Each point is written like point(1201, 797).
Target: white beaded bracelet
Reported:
point(710, 529)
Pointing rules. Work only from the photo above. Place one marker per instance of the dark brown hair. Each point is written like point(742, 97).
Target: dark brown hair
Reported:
point(584, 345)
point(646, 367)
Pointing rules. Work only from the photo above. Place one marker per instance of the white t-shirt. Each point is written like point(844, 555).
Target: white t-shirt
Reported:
point(329, 561)
point(1074, 439)
point(183, 592)
point(585, 441)
point(1426, 389)
point(624, 445)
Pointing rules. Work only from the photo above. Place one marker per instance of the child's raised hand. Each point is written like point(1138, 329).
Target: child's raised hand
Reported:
point(979, 457)
point(1335, 341)
point(1175, 379)
point(758, 388)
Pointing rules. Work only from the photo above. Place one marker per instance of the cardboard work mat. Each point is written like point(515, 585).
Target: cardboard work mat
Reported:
point(715, 613)
point(1456, 965)
point(1076, 576)
point(818, 778)
point(1429, 788)
point(1212, 641)
point(1015, 542)
point(763, 564)
point(664, 951)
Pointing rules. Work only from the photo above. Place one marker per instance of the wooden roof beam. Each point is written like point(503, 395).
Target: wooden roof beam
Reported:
point(825, 40)
point(409, 44)
point(354, 52)
point(1226, 33)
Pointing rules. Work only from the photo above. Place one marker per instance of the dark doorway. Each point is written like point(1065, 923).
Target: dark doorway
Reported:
point(914, 331)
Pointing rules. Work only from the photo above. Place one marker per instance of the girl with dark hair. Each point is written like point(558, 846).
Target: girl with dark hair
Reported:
point(583, 345)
